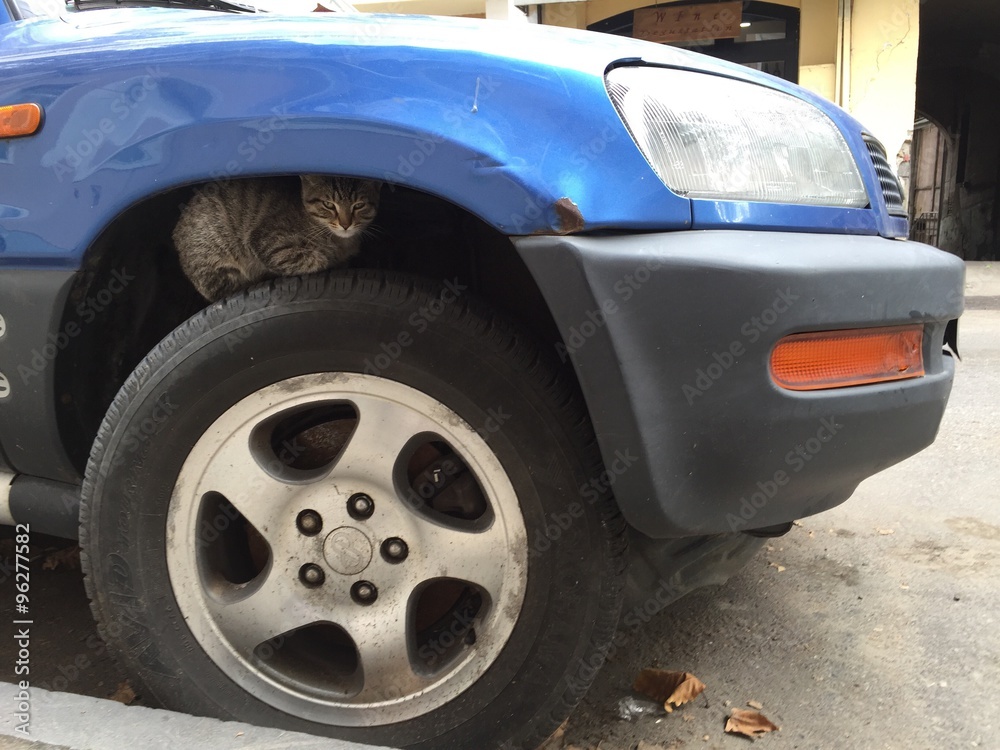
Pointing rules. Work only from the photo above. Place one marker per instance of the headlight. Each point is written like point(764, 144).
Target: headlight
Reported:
point(713, 137)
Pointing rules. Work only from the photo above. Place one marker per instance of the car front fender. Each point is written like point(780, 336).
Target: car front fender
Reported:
point(530, 148)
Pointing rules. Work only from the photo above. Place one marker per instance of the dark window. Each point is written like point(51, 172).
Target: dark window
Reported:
point(769, 38)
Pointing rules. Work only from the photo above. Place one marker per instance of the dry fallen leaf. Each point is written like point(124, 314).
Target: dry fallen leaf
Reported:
point(124, 694)
point(749, 723)
point(555, 741)
point(886, 532)
point(781, 568)
point(668, 687)
point(755, 704)
point(68, 557)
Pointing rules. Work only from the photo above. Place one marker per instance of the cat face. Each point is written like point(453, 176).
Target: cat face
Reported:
point(343, 205)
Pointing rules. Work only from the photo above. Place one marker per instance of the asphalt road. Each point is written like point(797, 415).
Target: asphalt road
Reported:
point(880, 629)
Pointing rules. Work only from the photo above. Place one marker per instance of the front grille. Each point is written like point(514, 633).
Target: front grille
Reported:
point(892, 190)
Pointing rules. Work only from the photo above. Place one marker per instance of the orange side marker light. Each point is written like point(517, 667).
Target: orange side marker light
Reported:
point(834, 359)
point(19, 119)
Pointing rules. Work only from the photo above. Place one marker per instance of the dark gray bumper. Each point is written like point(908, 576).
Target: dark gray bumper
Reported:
point(670, 336)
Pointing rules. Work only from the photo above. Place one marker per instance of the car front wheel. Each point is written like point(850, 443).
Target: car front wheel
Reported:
point(350, 505)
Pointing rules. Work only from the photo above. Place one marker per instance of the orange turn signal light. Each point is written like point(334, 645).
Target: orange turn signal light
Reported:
point(19, 119)
point(834, 359)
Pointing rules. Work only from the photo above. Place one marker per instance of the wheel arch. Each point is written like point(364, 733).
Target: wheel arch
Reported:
point(93, 192)
point(130, 291)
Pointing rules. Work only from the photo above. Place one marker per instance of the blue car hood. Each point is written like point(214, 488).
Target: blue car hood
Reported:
point(115, 31)
point(140, 28)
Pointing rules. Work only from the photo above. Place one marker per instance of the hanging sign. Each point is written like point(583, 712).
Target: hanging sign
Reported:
point(688, 23)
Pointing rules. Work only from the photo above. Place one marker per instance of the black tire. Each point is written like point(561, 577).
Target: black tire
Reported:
point(466, 358)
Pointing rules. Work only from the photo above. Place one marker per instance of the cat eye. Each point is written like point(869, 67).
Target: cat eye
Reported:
point(358, 206)
point(329, 204)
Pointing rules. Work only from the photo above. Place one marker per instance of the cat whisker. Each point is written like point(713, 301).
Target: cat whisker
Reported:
point(319, 233)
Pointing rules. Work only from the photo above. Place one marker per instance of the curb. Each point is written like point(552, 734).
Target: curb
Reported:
point(65, 721)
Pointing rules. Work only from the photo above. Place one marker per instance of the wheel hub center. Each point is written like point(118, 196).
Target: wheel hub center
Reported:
point(347, 550)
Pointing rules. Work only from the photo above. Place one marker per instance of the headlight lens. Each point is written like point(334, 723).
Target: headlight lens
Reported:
point(713, 137)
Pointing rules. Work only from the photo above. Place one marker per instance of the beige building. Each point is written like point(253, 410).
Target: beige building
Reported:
point(864, 55)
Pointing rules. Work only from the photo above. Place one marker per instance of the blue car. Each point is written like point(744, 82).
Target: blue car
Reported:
point(624, 312)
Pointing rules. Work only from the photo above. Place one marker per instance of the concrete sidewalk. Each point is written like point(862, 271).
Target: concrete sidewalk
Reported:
point(64, 721)
point(982, 278)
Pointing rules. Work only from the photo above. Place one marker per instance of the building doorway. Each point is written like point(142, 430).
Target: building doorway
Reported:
point(928, 168)
point(958, 159)
point(767, 40)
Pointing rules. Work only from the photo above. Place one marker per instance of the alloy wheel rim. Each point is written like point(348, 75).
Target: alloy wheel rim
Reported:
point(345, 556)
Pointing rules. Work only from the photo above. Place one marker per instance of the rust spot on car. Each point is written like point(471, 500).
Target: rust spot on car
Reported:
point(570, 218)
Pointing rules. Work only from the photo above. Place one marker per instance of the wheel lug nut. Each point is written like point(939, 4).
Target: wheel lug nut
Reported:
point(394, 550)
point(312, 575)
point(360, 506)
point(309, 522)
point(364, 592)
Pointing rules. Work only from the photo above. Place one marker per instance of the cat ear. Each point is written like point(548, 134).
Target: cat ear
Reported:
point(314, 181)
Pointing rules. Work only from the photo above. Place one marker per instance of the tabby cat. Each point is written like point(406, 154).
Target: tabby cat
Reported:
point(237, 233)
